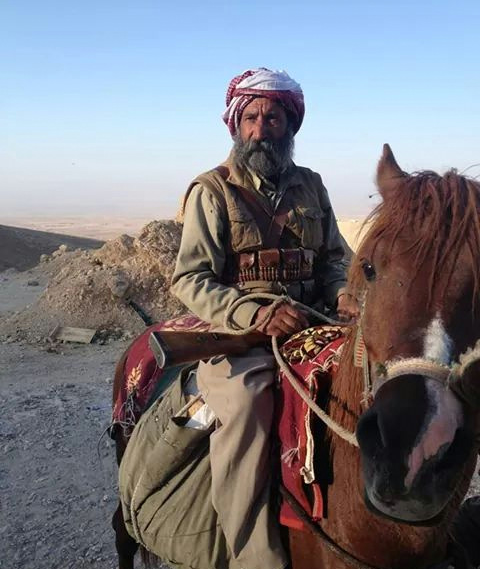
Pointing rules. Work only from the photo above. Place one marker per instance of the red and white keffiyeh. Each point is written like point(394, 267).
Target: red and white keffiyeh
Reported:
point(262, 82)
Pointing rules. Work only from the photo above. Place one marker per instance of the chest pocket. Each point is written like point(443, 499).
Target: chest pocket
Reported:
point(307, 224)
point(244, 231)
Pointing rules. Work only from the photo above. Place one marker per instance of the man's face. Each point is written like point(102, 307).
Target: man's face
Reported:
point(264, 140)
point(263, 119)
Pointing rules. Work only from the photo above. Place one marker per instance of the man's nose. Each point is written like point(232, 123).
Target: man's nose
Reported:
point(259, 130)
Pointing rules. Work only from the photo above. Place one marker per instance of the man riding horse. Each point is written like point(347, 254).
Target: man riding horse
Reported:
point(256, 223)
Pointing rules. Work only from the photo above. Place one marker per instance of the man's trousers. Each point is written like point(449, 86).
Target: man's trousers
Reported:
point(239, 391)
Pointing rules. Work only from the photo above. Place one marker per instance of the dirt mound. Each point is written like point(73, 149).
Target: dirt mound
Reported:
point(91, 289)
point(21, 248)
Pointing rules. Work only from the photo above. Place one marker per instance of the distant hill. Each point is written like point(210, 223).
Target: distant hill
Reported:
point(21, 248)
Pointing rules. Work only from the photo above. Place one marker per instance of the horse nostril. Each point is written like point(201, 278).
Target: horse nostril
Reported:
point(368, 432)
point(385, 499)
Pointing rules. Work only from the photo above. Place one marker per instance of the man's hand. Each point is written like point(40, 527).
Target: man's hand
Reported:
point(347, 307)
point(285, 320)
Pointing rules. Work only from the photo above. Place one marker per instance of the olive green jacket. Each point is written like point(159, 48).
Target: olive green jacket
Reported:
point(217, 221)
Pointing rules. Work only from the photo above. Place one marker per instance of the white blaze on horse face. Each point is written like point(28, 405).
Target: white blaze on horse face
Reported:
point(437, 344)
point(445, 416)
point(438, 430)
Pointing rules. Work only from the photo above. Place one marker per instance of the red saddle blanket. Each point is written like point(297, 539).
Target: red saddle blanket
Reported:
point(142, 374)
point(313, 357)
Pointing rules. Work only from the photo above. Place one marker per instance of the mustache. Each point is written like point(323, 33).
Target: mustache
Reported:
point(265, 145)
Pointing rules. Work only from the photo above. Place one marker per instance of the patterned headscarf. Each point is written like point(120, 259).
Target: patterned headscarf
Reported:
point(262, 82)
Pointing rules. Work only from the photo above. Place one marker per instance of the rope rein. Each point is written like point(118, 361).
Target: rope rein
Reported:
point(343, 433)
point(437, 371)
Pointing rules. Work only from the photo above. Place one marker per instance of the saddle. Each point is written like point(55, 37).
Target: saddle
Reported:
point(313, 354)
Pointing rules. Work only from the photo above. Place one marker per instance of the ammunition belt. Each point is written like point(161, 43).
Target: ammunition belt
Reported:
point(284, 265)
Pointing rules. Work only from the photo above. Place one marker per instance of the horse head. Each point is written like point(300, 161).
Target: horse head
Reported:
point(417, 275)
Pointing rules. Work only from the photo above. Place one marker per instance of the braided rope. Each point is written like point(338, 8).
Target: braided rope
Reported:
point(343, 433)
point(431, 369)
point(417, 366)
point(276, 300)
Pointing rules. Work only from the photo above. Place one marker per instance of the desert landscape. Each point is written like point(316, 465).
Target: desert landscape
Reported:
point(58, 473)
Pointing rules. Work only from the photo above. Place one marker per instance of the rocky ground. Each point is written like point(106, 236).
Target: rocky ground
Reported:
point(22, 248)
point(91, 288)
point(57, 475)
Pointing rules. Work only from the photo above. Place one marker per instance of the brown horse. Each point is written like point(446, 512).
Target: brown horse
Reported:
point(417, 272)
point(390, 503)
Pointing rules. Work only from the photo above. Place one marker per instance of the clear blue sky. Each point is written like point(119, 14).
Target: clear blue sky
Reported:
point(114, 106)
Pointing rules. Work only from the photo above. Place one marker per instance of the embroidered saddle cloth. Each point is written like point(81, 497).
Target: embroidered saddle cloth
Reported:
point(164, 477)
point(313, 357)
point(144, 381)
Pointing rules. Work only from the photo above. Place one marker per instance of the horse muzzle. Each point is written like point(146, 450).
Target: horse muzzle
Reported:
point(413, 448)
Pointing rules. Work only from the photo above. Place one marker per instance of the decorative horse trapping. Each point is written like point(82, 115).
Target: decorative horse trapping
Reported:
point(313, 355)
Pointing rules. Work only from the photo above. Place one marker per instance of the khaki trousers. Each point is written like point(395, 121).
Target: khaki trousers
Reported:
point(239, 390)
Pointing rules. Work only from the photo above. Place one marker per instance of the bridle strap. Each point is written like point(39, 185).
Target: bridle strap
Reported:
point(396, 368)
point(415, 366)
point(360, 360)
point(317, 530)
point(419, 366)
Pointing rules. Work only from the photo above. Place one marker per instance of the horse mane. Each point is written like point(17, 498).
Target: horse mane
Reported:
point(346, 393)
point(442, 214)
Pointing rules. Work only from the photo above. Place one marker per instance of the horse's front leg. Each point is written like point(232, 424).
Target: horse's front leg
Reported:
point(125, 544)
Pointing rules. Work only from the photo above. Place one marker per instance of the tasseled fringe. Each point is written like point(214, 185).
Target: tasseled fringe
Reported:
point(290, 455)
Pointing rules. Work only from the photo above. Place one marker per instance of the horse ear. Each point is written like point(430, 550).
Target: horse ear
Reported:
point(389, 173)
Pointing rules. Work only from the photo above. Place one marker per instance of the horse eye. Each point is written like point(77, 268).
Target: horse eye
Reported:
point(368, 271)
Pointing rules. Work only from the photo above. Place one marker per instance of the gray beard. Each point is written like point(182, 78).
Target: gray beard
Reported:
point(266, 158)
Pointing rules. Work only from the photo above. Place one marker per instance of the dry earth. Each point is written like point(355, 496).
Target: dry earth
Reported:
point(57, 478)
point(57, 475)
point(104, 228)
point(94, 227)
point(92, 288)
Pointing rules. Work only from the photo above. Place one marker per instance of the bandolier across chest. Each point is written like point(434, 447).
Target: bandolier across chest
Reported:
point(266, 243)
